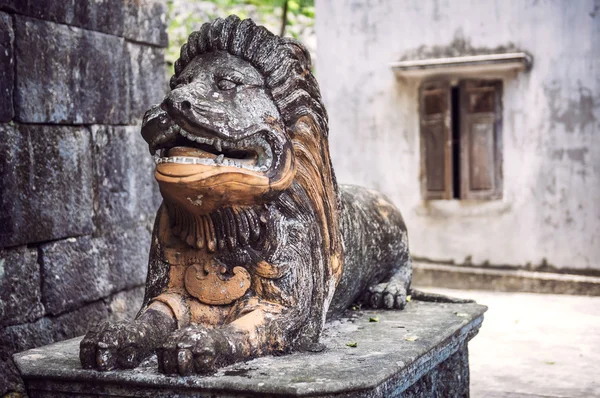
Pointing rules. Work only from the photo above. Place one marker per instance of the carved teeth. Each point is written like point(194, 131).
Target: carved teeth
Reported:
point(256, 144)
point(220, 160)
point(218, 146)
point(195, 138)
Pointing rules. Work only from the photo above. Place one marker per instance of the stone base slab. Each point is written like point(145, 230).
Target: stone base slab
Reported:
point(418, 352)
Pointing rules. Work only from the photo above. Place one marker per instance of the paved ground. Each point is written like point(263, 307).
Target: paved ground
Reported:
point(534, 345)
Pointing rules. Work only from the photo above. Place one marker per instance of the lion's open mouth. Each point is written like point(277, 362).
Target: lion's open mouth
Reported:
point(252, 153)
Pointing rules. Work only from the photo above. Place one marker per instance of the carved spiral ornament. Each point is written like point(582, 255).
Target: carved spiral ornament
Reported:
point(211, 284)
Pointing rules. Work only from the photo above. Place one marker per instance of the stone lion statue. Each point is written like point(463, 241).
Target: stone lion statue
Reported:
point(255, 245)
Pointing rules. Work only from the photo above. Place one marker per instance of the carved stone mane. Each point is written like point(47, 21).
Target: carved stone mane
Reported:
point(227, 227)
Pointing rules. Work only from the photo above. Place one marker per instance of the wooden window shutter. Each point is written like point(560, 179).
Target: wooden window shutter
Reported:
point(436, 140)
point(480, 139)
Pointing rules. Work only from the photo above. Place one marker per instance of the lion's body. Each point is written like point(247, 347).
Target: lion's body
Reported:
point(375, 245)
point(255, 245)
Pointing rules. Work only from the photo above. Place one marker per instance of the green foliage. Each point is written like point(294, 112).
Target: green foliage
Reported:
point(185, 16)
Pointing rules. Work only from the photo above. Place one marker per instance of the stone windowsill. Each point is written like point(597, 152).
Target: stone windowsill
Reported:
point(462, 208)
point(488, 63)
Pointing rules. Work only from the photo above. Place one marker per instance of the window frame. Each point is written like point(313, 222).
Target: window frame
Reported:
point(490, 175)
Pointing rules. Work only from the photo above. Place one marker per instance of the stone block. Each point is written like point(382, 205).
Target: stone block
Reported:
point(79, 321)
point(103, 16)
point(17, 338)
point(121, 306)
point(126, 192)
point(81, 270)
point(7, 76)
point(421, 351)
point(125, 305)
point(73, 75)
point(147, 79)
point(139, 20)
point(46, 184)
point(10, 380)
point(75, 271)
point(146, 21)
point(127, 251)
point(20, 286)
point(449, 379)
point(44, 331)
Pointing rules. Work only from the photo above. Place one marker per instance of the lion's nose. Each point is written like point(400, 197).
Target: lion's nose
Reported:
point(175, 105)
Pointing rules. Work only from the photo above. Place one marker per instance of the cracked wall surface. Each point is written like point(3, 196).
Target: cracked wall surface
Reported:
point(77, 193)
point(549, 216)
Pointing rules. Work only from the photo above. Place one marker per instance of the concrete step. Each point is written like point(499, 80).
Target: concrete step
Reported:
point(463, 277)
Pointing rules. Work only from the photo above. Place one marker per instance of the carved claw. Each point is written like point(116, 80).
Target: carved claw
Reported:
point(194, 349)
point(114, 346)
point(387, 295)
point(124, 345)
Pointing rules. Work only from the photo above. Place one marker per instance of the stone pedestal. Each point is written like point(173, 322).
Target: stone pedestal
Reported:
point(418, 352)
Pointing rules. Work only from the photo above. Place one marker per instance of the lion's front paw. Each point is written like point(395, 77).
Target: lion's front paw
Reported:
point(194, 349)
point(386, 295)
point(117, 345)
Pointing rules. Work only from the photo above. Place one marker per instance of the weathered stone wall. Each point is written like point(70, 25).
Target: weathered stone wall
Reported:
point(550, 210)
point(77, 195)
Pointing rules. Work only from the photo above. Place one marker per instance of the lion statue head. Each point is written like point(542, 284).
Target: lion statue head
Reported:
point(244, 121)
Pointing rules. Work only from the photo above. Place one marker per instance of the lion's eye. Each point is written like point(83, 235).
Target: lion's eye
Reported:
point(226, 84)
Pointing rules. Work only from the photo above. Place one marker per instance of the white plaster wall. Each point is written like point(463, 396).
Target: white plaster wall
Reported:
point(550, 211)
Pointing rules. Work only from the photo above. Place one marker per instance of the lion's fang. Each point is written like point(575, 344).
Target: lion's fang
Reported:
point(217, 145)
